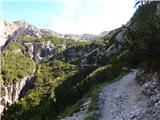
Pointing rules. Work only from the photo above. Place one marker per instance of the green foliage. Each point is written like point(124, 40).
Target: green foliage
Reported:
point(74, 43)
point(14, 46)
point(78, 87)
point(51, 70)
point(39, 103)
point(16, 66)
point(144, 13)
point(65, 94)
point(56, 40)
point(144, 42)
point(76, 54)
point(101, 43)
point(142, 37)
point(25, 39)
point(57, 86)
point(91, 117)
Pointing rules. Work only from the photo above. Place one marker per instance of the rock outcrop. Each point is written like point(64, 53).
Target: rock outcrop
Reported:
point(41, 50)
point(151, 91)
point(6, 29)
point(12, 92)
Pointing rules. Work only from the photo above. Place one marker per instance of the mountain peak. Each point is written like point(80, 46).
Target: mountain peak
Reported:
point(22, 23)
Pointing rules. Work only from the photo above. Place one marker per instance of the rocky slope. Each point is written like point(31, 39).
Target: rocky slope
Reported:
point(151, 91)
point(127, 100)
point(13, 92)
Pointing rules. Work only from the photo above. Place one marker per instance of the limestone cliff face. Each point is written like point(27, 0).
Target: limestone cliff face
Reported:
point(6, 29)
point(41, 50)
point(12, 92)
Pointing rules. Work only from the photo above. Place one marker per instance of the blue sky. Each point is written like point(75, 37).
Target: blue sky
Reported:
point(70, 16)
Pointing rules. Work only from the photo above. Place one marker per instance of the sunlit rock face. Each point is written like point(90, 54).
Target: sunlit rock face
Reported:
point(12, 92)
point(6, 29)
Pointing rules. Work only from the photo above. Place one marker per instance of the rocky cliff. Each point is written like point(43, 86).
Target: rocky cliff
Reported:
point(13, 91)
point(6, 29)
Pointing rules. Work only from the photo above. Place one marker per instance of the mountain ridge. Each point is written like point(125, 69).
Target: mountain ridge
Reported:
point(34, 31)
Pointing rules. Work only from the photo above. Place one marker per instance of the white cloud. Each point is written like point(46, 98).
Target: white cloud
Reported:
point(92, 16)
point(68, 13)
point(81, 16)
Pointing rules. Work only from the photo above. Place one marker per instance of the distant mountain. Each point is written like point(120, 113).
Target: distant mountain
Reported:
point(13, 29)
point(87, 36)
point(104, 33)
point(82, 37)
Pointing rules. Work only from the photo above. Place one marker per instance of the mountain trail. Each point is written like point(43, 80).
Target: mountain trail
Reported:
point(121, 100)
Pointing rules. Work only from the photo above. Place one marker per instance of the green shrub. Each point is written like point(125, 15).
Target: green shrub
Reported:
point(16, 66)
point(39, 103)
point(14, 46)
point(76, 86)
point(143, 41)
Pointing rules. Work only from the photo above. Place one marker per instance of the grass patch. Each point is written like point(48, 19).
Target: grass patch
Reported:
point(15, 67)
point(70, 110)
point(91, 117)
point(76, 107)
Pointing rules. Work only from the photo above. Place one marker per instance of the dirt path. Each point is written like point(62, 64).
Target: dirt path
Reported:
point(121, 100)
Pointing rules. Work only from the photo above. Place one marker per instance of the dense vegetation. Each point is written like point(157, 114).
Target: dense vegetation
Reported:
point(39, 100)
point(58, 84)
point(14, 46)
point(54, 40)
point(143, 41)
point(15, 67)
point(53, 92)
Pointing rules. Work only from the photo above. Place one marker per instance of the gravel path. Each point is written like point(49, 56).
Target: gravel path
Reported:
point(121, 100)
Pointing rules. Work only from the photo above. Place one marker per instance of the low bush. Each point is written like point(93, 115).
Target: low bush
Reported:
point(16, 66)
